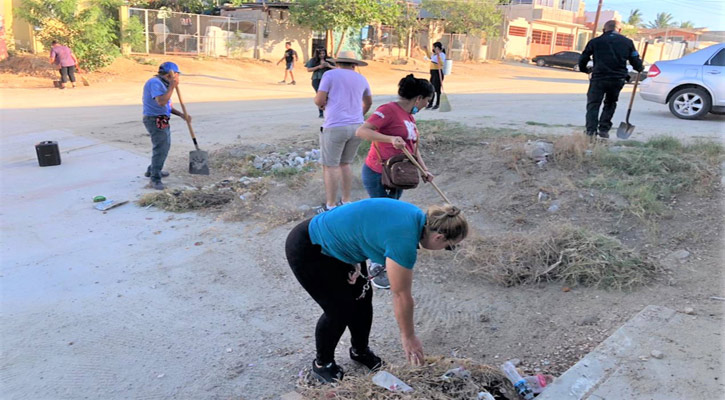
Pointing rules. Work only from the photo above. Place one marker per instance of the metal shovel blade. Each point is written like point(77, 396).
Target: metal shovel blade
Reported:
point(198, 162)
point(625, 130)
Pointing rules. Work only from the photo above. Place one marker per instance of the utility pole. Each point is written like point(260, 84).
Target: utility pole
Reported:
point(596, 19)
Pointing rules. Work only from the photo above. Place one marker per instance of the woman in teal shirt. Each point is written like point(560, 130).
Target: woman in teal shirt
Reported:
point(327, 255)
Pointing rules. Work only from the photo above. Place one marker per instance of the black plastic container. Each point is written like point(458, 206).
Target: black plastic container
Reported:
point(48, 153)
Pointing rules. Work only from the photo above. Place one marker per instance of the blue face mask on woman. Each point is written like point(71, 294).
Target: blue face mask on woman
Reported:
point(414, 110)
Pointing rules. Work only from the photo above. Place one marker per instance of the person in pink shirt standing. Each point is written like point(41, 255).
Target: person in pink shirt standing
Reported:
point(63, 57)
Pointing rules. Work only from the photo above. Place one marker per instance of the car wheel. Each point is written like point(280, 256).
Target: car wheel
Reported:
point(690, 103)
point(540, 63)
point(576, 68)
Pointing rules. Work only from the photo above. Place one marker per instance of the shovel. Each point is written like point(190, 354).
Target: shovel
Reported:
point(198, 159)
point(625, 128)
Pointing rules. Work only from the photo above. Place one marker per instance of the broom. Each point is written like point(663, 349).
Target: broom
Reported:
point(445, 104)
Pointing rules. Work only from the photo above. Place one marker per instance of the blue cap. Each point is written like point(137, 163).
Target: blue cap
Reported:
point(167, 67)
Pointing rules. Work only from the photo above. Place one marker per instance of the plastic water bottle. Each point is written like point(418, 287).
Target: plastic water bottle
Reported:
point(538, 382)
point(522, 388)
point(391, 382)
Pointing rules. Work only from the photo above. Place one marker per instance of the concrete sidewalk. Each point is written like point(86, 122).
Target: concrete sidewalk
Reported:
point(626, 365)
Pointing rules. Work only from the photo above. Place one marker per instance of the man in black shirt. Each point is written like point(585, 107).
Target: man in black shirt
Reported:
point(289, 57)
point(611, 52)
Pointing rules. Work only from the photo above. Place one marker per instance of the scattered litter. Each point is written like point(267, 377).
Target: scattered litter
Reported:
point(543, 196)
point(717, 298)
point(538, 150)
point(485, 396)
point(160, 375)
point(554, 207)
point(657, 354)
point(99, 199)
point(198, 243)
point(391, 382)
point(458, 372)
point(109, 204)
point(566, 289)
point(689, 311)
point(229, 349)
point(425, 381)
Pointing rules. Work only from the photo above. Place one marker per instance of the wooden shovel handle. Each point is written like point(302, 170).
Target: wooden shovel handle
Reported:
point(636, 83)
point(422, 171)
point(188, 123)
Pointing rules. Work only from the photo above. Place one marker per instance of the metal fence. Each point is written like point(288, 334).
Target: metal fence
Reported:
point(167, 32)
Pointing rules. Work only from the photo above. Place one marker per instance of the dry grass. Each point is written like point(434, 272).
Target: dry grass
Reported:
point(558, 253)
point(186, 200)
point(426, 381)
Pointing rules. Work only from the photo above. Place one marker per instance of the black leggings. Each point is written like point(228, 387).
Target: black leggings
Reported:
point(66, 72)
point(325, 279)
point(436, 79)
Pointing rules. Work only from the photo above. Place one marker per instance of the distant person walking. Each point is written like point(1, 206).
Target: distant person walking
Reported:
point(63, 57)
point(318, 65)
point(289, 57)
point(611, 52)
point(391, 128)
point(157, 110)
point(437, 62)
point(345, 97)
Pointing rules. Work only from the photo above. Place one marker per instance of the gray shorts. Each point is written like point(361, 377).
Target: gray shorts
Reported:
point(338, 145)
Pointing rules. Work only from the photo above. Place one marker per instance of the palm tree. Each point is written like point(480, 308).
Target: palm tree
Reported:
point(635, 17)
point(687, 25)
point(663, 20)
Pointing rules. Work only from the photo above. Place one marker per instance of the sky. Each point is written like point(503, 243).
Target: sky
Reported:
point(707, 13)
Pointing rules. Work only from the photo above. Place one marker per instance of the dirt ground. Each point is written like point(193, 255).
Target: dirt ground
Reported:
point(151, 304)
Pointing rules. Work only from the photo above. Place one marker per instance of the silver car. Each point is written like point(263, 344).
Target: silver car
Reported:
point(693, 85)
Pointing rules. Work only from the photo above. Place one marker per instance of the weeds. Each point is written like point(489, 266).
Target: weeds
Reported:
point(648, 175)
point(186, 200)
point(426, 379)
point(563, 253)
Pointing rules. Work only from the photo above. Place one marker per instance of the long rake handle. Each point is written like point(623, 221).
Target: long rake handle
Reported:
point(422, 171)
point(636, 83)
point(183, 108)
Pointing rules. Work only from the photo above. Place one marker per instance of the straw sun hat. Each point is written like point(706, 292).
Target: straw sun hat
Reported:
point(349, 57)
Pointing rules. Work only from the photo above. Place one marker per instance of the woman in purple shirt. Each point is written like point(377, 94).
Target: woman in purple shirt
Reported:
point(63, 57)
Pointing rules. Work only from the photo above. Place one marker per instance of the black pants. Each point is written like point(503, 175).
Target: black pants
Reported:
point(436, 79)
point(607, 90)
point(316, 86)
point(326, 280)
point(68, 72)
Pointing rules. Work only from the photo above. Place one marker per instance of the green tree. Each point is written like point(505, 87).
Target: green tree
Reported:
point(91, 32)
point(467, 16)
point(635, 17)
point(330, 15)
point(662, 20)
point(687, 25)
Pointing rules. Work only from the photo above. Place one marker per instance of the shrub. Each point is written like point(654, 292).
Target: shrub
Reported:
point(91, 32)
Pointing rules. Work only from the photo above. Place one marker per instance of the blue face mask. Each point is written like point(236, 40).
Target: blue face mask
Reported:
point(414, 110)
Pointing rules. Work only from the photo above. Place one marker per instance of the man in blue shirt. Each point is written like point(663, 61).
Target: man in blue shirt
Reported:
point(157, 110)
